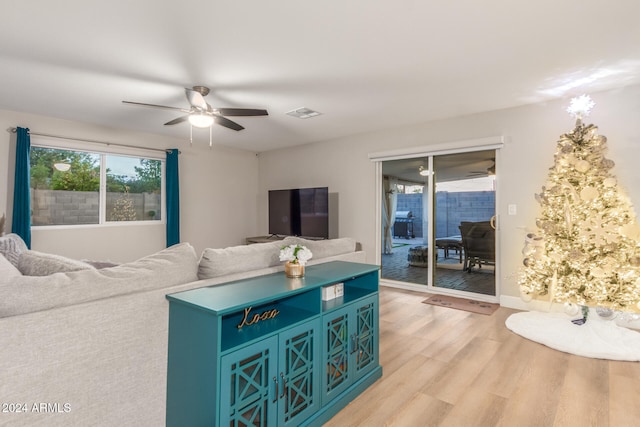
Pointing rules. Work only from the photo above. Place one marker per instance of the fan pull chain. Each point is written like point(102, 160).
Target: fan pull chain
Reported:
point(210, 137)
point(191, 135)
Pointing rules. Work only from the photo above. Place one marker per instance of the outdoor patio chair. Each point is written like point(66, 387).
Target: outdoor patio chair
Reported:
point(478, 243)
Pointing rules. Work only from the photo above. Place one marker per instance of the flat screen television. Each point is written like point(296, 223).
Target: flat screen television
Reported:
point(299, 212)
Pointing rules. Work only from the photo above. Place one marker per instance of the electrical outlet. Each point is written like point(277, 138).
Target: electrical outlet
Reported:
point(512, 209)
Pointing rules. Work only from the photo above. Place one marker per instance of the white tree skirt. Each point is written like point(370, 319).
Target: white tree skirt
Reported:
point(597, 338)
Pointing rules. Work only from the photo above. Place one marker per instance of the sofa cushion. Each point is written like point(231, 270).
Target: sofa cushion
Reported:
point(100, 264)
point(7, 269)
point(34, 263)
point(324, 248)
point(175, 265)
point(236, 259)
point(11, 246)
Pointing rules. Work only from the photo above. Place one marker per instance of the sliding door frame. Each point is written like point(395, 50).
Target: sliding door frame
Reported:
point(492, 143)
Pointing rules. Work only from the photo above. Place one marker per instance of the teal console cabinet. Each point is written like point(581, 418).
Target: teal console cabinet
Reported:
point(268, 351)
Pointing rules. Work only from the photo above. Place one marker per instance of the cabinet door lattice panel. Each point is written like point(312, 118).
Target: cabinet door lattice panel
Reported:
point(337, 352)
point(300, 386)
point(249, 381)
point(366, 325)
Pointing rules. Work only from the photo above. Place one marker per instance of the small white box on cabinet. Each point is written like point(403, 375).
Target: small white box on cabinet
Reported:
point(332, 291)
point(328, 293)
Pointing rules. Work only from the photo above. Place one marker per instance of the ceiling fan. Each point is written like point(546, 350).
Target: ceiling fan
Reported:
point(201, 114)
point(490, 170)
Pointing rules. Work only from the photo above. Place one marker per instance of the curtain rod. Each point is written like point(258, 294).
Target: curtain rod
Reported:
point(166, 150)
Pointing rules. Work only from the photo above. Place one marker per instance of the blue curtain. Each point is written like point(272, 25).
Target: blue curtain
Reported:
point(173, 197)
point(21, 220)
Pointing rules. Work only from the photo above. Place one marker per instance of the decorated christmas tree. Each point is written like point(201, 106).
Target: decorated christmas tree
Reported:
point(124, 207)
point(586, 250)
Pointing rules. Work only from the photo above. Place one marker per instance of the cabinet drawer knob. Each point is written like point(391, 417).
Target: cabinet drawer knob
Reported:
point(284, 385)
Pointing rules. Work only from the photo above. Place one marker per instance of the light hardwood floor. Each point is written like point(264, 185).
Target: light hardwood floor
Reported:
point(445, 367)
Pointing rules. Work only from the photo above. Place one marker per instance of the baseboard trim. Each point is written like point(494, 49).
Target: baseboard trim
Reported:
point(440, 291)
point(517, 303)
point(507, 301)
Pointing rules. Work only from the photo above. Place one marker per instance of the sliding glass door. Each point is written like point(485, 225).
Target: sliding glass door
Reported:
point(438, 222)
point(405, 220)
point(464, 212)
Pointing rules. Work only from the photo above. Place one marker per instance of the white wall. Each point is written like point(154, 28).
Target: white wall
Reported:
point(531, 132)
point(218, 194)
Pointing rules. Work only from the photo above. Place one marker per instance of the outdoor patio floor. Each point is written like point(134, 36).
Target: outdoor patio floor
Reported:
point(449, 273)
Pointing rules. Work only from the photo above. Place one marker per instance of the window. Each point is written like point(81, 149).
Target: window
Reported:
point(72, 187)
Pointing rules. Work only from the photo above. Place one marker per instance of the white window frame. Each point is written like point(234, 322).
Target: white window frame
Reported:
point(103, 150)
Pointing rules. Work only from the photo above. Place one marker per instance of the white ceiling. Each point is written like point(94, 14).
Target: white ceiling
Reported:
point(365, 64)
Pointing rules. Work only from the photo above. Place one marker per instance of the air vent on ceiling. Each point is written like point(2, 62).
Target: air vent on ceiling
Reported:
point(303, 113)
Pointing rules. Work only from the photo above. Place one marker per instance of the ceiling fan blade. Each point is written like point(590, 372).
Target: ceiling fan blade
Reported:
point(223, 121)
point(242, 112)
point(142, 104)
point(196, 99)
point(178, 120)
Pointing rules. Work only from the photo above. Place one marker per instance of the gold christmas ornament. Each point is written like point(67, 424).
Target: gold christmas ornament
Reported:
point(582, 166)
point(525, 295)
point(528, 250)
point(589, 193)
point(571, 309)
point(566, 148)
point(575, 254)
point(609, 264)
point(607, 164)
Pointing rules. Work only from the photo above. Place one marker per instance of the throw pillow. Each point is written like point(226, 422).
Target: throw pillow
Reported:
point(236, 259)
point(33, 263)
point(7, 270)
point(11, 246)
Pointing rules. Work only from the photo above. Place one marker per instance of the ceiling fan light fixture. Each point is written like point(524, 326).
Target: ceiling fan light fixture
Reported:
point(201, 120)
point(423, 172)
point(201, 115)
point(62, 167)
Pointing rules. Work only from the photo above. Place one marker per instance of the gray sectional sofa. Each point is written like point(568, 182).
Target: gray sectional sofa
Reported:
point(87, 346)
